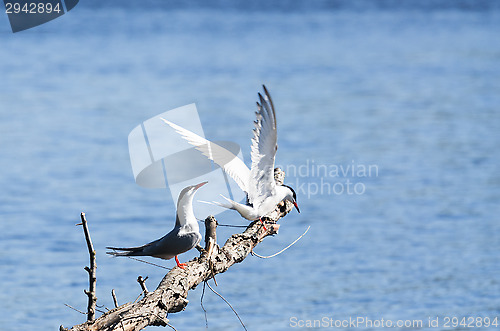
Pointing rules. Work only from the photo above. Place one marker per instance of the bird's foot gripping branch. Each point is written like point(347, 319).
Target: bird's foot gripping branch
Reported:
point(171, 294)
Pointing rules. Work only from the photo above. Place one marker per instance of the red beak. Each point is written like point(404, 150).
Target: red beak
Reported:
point(296, 206)
point(199, 185)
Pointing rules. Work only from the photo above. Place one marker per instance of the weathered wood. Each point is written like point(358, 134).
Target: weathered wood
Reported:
point(91, 271)
point(142, 283)
point(113, 294)
point(210, 234)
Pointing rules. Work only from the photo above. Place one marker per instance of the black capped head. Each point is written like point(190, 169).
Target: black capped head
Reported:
point(294, 196)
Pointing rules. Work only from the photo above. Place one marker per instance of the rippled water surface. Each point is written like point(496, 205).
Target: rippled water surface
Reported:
point(409, 94)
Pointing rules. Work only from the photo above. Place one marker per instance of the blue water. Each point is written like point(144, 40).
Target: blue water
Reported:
point(413, 91)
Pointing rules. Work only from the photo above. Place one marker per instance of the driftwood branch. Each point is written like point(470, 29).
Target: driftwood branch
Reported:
point(171, 294)
point(115, 301)
point(91, 271)
point(210, 242)
point(142, 282)
point(210, 235)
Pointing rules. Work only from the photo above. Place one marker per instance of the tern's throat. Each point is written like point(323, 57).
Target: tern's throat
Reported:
point(185, 213)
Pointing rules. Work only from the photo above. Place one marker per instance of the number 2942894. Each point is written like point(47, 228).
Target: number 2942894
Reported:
point(31, 8)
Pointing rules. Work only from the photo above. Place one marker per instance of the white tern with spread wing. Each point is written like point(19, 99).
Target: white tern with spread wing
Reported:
point(257, 182)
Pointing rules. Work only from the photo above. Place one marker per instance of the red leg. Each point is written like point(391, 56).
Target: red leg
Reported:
point(180, 265)
point(260, 219)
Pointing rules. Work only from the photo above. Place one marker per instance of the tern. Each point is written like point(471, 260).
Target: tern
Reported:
point(263, 195)
point(185, 235)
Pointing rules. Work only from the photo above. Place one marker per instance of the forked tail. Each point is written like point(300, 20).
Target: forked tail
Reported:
point(131, 251)
point(229, 204)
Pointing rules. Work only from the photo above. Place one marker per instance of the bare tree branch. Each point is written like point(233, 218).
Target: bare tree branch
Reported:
point(142, 282)
point(91, 271)
point(113, 294)
point(210, 242)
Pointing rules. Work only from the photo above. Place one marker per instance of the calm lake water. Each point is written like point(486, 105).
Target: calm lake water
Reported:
point(389, 129)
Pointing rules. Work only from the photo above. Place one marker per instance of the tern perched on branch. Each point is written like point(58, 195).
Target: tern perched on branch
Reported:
point(257, 182)
point(185, 235)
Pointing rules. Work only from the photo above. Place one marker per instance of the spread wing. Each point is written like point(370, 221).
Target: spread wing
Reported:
point(264, 147)
point(224, 158)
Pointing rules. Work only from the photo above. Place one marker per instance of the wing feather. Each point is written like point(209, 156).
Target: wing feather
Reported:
point(263, 150)
point(224, 158)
